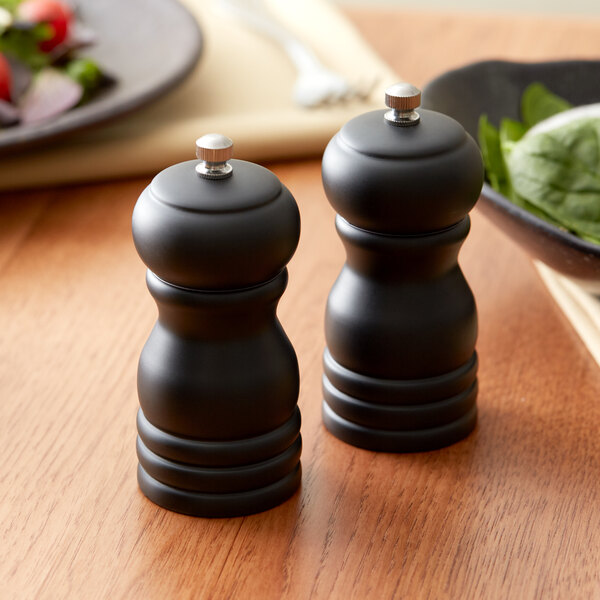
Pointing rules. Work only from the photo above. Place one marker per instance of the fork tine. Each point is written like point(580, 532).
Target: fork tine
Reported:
point(315, 84)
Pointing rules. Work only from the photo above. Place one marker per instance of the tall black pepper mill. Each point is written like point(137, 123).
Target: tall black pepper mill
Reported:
point(401, 324)
point(218, 425)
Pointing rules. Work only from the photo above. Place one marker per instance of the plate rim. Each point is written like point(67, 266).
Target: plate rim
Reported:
point(24, 137)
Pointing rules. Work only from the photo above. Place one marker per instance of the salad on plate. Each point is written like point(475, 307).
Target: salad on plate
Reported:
point(43, 68)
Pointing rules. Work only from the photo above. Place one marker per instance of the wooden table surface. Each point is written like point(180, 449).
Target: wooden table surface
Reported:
point(511, 512)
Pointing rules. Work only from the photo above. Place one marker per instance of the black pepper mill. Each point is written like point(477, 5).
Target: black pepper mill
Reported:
point(218, 425)
point(401, 324)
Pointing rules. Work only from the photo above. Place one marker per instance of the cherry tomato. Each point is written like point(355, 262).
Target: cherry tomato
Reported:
point(53, 12)
point(5, 79)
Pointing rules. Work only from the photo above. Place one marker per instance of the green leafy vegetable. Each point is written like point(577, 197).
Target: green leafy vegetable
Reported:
point(23, 44)
point(10, 5)
point(553, 174)
point(41, 72)
point(559, 173)
point(511, 131)
point(86, 73)
point(489, 142)
point(539, 103)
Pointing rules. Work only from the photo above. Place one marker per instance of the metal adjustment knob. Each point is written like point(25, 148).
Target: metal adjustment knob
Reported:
point(214, 150)
point(402, 98)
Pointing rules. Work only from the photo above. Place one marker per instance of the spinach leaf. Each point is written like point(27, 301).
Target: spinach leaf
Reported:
point(558, 172)
point(489, 142)
point(539, 103)
point(511, 131)
point(495, 144)
point(555, 175)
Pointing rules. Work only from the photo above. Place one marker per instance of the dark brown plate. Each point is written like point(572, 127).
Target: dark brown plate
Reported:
point(495, 88)
point(148, 46)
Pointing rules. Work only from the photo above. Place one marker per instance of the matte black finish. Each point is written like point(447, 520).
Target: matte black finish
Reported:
point(218, 425)
point(401, 324)
point(217, 235)
point(401, 180)
point(495, 88)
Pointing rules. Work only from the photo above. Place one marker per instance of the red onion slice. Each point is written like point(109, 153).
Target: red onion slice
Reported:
point(50, 94)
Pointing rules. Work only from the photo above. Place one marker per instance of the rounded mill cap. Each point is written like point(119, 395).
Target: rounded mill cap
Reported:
point(400, 171)
point(217, 223)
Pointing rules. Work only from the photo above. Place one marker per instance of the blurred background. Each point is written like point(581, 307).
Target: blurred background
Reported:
point(577, 7)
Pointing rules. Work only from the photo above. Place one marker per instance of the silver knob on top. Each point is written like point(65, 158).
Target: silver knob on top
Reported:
point(402, 98)
point(214, 150)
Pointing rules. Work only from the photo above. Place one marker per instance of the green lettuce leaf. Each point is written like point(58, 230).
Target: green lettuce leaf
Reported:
point(510, 131)
point(489, 142)
point(539, 103)
point(558, 172)
point(23, 44)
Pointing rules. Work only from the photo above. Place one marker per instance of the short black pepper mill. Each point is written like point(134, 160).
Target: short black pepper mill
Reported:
point(218, 425)
point(401, 324)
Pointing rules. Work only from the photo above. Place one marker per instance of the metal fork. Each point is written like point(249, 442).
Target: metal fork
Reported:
point(315, 84)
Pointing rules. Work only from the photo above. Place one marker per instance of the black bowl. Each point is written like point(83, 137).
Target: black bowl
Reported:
point(495, 88)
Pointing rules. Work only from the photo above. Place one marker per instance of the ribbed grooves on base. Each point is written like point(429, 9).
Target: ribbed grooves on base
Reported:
point(238, 504)
point(218, 453)
point(399, 416)
point(382, 440)
point(219, 478)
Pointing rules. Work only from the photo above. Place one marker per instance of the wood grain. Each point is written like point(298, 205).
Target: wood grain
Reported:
point(511, 512)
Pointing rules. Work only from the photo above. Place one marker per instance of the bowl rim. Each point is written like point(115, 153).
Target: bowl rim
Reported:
point(490, 194)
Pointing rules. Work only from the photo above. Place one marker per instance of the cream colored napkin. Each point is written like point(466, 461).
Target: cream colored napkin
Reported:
point(580, 307)
point(241, 87)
